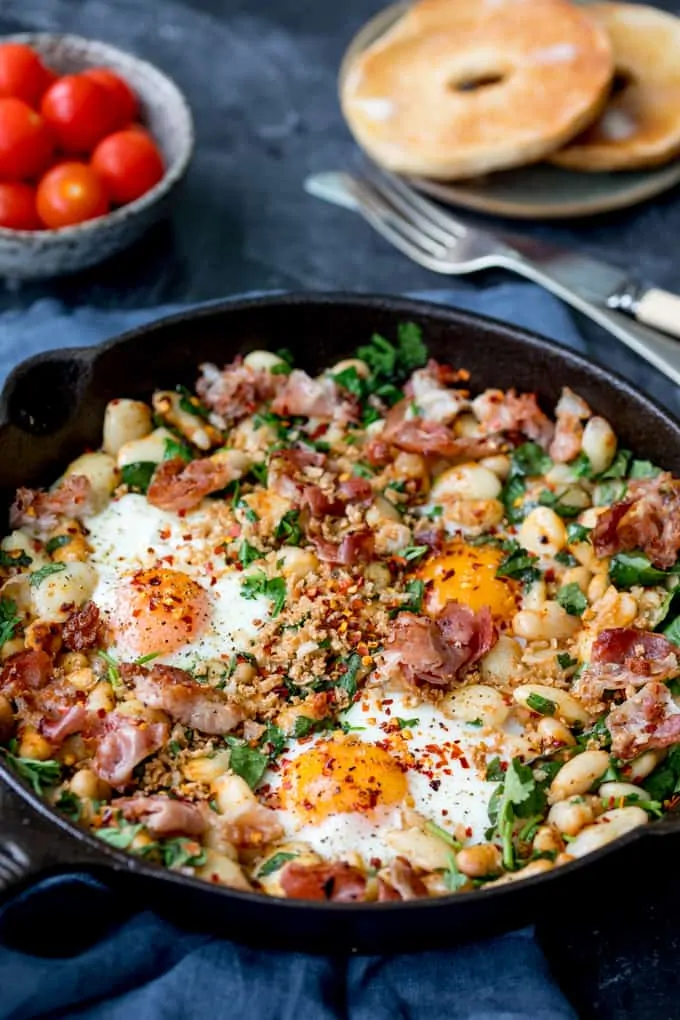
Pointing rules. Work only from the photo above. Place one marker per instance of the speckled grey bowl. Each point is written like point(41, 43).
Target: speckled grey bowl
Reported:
point(27, 254)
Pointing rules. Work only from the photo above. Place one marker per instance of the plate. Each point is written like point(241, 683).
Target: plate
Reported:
point(536, 192)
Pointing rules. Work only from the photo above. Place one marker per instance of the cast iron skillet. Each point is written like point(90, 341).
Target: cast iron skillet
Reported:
point(52, 409)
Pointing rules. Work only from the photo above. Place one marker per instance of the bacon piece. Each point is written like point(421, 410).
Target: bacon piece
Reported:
point(122, 743)
point(176, 692)
point(313, 398)
point(40, 510)
point(569, 411)
point(236, 390)
point(513, 412)
point(624, 657)
point(82, 629)
point(432, 438)
point(179, 486)
point(356, 547)
point(319, 502)
point(386, 892)
point(435, 401)
point(338, 882)
point(355, 490)
point(405, 881)
point(429, 534)
point(650, 719)
point(647, 519)
point(163, 816)
point(435, 651)
point(377, 452)
point(25, 671)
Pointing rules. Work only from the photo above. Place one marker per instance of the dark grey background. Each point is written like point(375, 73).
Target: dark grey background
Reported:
point(261, 77)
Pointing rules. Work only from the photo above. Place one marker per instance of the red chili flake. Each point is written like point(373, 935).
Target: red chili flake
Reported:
point(213, 581)
point(464, 762)
point(187, 538)
point(435, 784)
point(468, 831)
point(164, 534)
point(549, 575)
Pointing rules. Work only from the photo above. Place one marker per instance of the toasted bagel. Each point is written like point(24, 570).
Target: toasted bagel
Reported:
point(458, 88)
point(640, 125)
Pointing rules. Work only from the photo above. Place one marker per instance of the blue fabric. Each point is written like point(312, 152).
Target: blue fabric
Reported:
point(71, 949)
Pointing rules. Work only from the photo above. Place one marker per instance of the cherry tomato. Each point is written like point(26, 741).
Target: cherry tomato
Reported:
point(25, 142)
point(123, 100)
point(79, 112)
point(17, 207)
point(22, 73)
point(70, 193)
point(129, 163)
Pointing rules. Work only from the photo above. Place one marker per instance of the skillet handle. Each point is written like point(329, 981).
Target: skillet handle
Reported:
point(31, 847)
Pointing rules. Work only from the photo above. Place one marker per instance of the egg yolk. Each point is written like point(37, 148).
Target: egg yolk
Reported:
point(342, 777)
point(159, 610)
point(467, 574)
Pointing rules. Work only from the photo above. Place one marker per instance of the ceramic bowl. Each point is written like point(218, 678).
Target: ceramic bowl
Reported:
point(27, 254)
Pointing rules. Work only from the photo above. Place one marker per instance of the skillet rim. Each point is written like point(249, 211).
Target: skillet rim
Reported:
point(120, 862)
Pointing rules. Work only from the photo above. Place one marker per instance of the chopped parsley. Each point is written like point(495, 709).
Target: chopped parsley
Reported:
point(519, 564)
point(643, 469)
point(120, 836)
point(565, 558)
point(664, 781)
point(618, 467)
point(519, 797)
point(436, 830)
point(453, 878)
point(9, 621)
point(40, 774)
point(58, 542)
point(138, 476)
point(248, 511)
point(275, 863)
point(348, 680)
point(542, 705)
point(577, 532)
point(273, 741)
point(273, 588)
point(527, 461)
point(18, 558)
point(412, 552)
point(191, 404)
point(434, 512)
point(565, 661)
point(259, 472)
point(174, 447)
point(246, 762)
point(572, 599)
point(629, 568)
point(416, 589)
point(581, 466)
point(351, 381)
point(248, 553)
point(38, 576)
point(608, 492)
point(362, 470)
point(551, 499)
point(69, 805)
point(394, 363)
point(288, 529)
point(407, 724)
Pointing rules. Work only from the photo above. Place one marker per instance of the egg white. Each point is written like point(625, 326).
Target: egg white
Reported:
point(130, 534)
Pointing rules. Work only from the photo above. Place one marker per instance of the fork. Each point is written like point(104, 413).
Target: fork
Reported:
point(444, 244)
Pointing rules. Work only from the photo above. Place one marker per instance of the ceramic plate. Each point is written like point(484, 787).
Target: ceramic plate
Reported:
point(533, 192)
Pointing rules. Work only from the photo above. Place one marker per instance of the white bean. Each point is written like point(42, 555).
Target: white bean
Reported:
point(259, 360)
point(20, 541)
point(566, 705)
point(577, 575)
point(297, 563)
point(207, 769)
point(421, 848)
point(466, 481)
point(149, 450)
point(221, 869)
point(101, 472)
point(551, 621)
point(124, 421)
point(570, 816)
point(607, 828)
point(578, 774)
point(502, 662)
point(233, 795)
point(616, 790)
point(534, 868)
point(499, 463)
point(55, 597)
point(554, 733)
point(640, 767)
point(599, 444)
point(542, 532)
point(479, 702)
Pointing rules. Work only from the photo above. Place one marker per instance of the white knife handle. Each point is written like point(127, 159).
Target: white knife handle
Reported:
point(660, 309)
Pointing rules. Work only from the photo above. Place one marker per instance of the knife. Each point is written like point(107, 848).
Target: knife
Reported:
point(604, 292)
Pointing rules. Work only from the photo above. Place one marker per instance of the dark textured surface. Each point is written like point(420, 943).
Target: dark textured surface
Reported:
point(260, 75)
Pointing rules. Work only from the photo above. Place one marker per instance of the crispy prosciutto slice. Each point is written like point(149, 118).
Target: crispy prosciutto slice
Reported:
point(404, 880)
point(81, 630)
point(422, 650)
point(122, 743)
point(570, 411)
point(163, 816)
point(429, 437)
point(650, 719)
point(338, 882)
point(176, 692)
point(356, 547)
point(25, 671)
point(39, 510)
point(647, 519)
point(318, 398)
point(236, 390)
point(513, 412)
point(624, 657)
point(179, 486)
point(436, 401)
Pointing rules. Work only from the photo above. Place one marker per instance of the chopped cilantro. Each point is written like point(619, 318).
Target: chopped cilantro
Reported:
point(288, 529)
point(275, 863)
point(565, 661)
point(18, 558)
point(69, 805)
point(530, 461)
point(551, 499)
point(120, 836)
point(407, 724)
point(643, 469)
point(176, 448)
point(520, 796)
point(577, 532)
point(495, 773)
point(348, 680)
point(416, 589)
point(191, 404)
point(38, 576)
point(581, 466)
point(259, 472)
point(436, 830)
point(608, 492)
point(541, 705)
point(390, 363)
point(629, 568)
point(58, 542)
point(246, 762)
point(434, 511)
point(572, 599)
point(565, 558)
point(40, 774)
point(351, 381)
point(519, 564)
point(273, 588)
point(618, 467)
point(138, 476)
point(273, 741)
point(9, 621)
point(412, 552)
point(362, 470)
point(453, 879)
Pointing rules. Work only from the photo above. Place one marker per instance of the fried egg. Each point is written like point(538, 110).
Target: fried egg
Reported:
point(347, 792)
point(467, 574)
point(164, 586)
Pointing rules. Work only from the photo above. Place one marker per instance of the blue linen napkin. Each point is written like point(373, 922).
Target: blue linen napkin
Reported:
point(70, 950)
